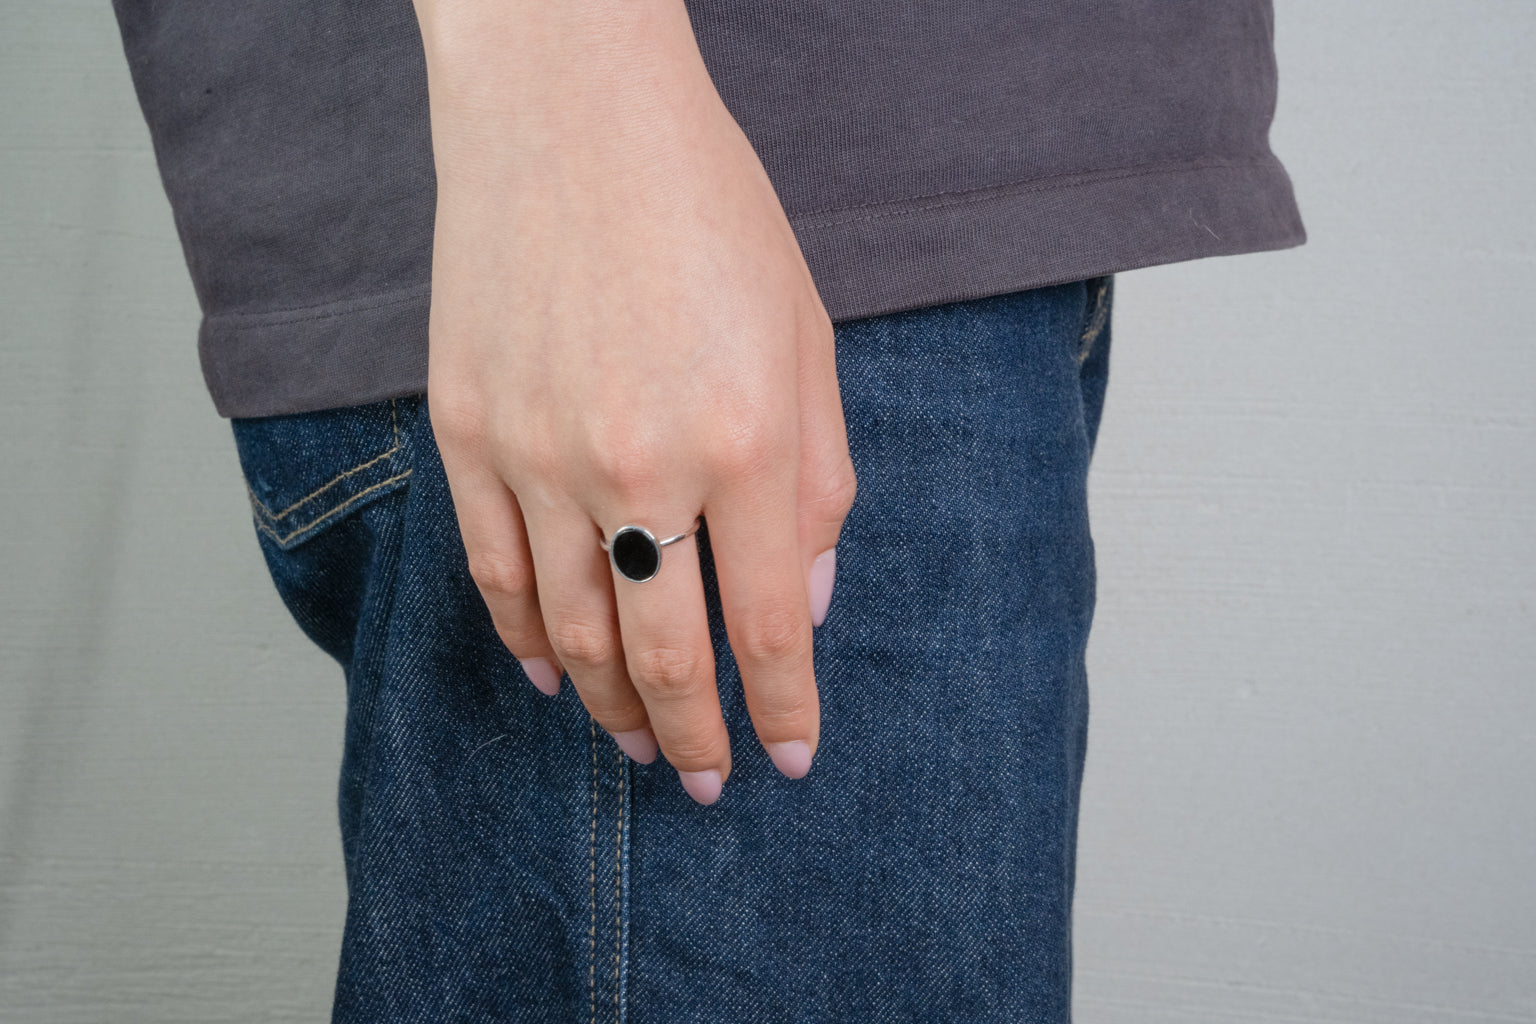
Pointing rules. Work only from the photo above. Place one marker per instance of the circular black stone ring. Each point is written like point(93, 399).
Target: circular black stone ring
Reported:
point(636, 553)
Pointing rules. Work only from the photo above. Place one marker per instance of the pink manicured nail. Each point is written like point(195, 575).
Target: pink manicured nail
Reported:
point(639, 744)
point(542, 674)
point(792, 758)
point(702, 786)
point(822, 572)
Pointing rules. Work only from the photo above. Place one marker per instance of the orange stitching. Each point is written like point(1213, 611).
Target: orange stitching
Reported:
point(274, 516)
point(618, 844)
point(317, 521)
point(592, 879)
point(1095, 323)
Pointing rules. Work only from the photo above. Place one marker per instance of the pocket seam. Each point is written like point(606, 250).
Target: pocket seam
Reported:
point(1096, 321)
point(339, 477)
point(334, 510)
point(267, 520)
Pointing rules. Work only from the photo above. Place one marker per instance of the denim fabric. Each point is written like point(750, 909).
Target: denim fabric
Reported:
point(505, 861)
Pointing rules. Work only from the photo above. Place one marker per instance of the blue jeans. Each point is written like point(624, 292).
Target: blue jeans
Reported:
point(505, 861)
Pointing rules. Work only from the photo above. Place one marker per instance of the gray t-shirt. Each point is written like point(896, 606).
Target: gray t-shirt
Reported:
point(925, 152)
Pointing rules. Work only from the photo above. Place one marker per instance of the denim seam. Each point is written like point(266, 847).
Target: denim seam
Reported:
point(275, 516)
point(626, 830)
point(592, 880)
point(618, 879)
point(391, 576)
point(1095, 322)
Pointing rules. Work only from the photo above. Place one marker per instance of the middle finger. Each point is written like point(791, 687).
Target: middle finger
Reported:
point(576, 601)
point(667, 648)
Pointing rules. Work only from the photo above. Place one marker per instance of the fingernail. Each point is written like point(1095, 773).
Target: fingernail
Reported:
point(702, 786)
point(792, 758)
point(639, 744)
point(822, 572)
point(542, 674)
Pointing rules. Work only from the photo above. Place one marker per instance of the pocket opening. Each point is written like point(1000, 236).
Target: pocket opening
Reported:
point(337, 460)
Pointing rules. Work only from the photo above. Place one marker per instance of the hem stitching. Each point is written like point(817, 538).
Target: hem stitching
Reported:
point(1062, 182)
point(814, 219)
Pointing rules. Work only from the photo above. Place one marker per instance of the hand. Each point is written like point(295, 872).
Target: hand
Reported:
point(623, 329)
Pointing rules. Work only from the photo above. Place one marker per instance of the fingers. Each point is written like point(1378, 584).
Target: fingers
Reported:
point(640, 655)
point(827, 484)
point(753, 535)
point(671, 660)
point(496, 543)
point(583, 624)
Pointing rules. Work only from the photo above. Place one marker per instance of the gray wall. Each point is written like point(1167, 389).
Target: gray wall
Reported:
point(1310, 771)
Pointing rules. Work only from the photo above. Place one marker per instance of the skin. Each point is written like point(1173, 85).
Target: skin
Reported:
point(623, 330)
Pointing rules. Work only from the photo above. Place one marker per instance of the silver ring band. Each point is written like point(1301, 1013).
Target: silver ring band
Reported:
point(635, 553)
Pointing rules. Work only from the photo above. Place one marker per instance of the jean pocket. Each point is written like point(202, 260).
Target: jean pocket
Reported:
point(305, 472)
point(1100, 297)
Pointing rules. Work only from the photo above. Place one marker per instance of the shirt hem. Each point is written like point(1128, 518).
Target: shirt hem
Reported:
point(866, 261)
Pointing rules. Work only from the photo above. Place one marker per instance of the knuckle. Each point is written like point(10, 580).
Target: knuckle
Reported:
point(615, 715)
point(842, 487)
point(783, 714)
point(459, 423)
point(693, 750)
point(582, 645)
point(530, 463)
point(521, 641)
point(846, 489)
point(625, 462)
point(501, 575)
point(751, 448)
point(775, 634)
point(667, 671)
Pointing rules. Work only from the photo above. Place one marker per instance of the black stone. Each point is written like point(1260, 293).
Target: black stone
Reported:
point(636, 555)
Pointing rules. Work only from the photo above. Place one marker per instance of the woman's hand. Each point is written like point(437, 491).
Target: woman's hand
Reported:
point(623, 330)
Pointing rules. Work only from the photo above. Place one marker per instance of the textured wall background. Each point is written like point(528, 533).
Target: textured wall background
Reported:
point(1309, 792)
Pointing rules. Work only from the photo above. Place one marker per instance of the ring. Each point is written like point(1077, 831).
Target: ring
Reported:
point(636, 553)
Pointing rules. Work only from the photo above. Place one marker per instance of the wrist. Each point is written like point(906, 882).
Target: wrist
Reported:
point(492, 53)
point(523, 91)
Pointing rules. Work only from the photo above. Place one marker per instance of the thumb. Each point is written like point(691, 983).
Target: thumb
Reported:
point(827, 484)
